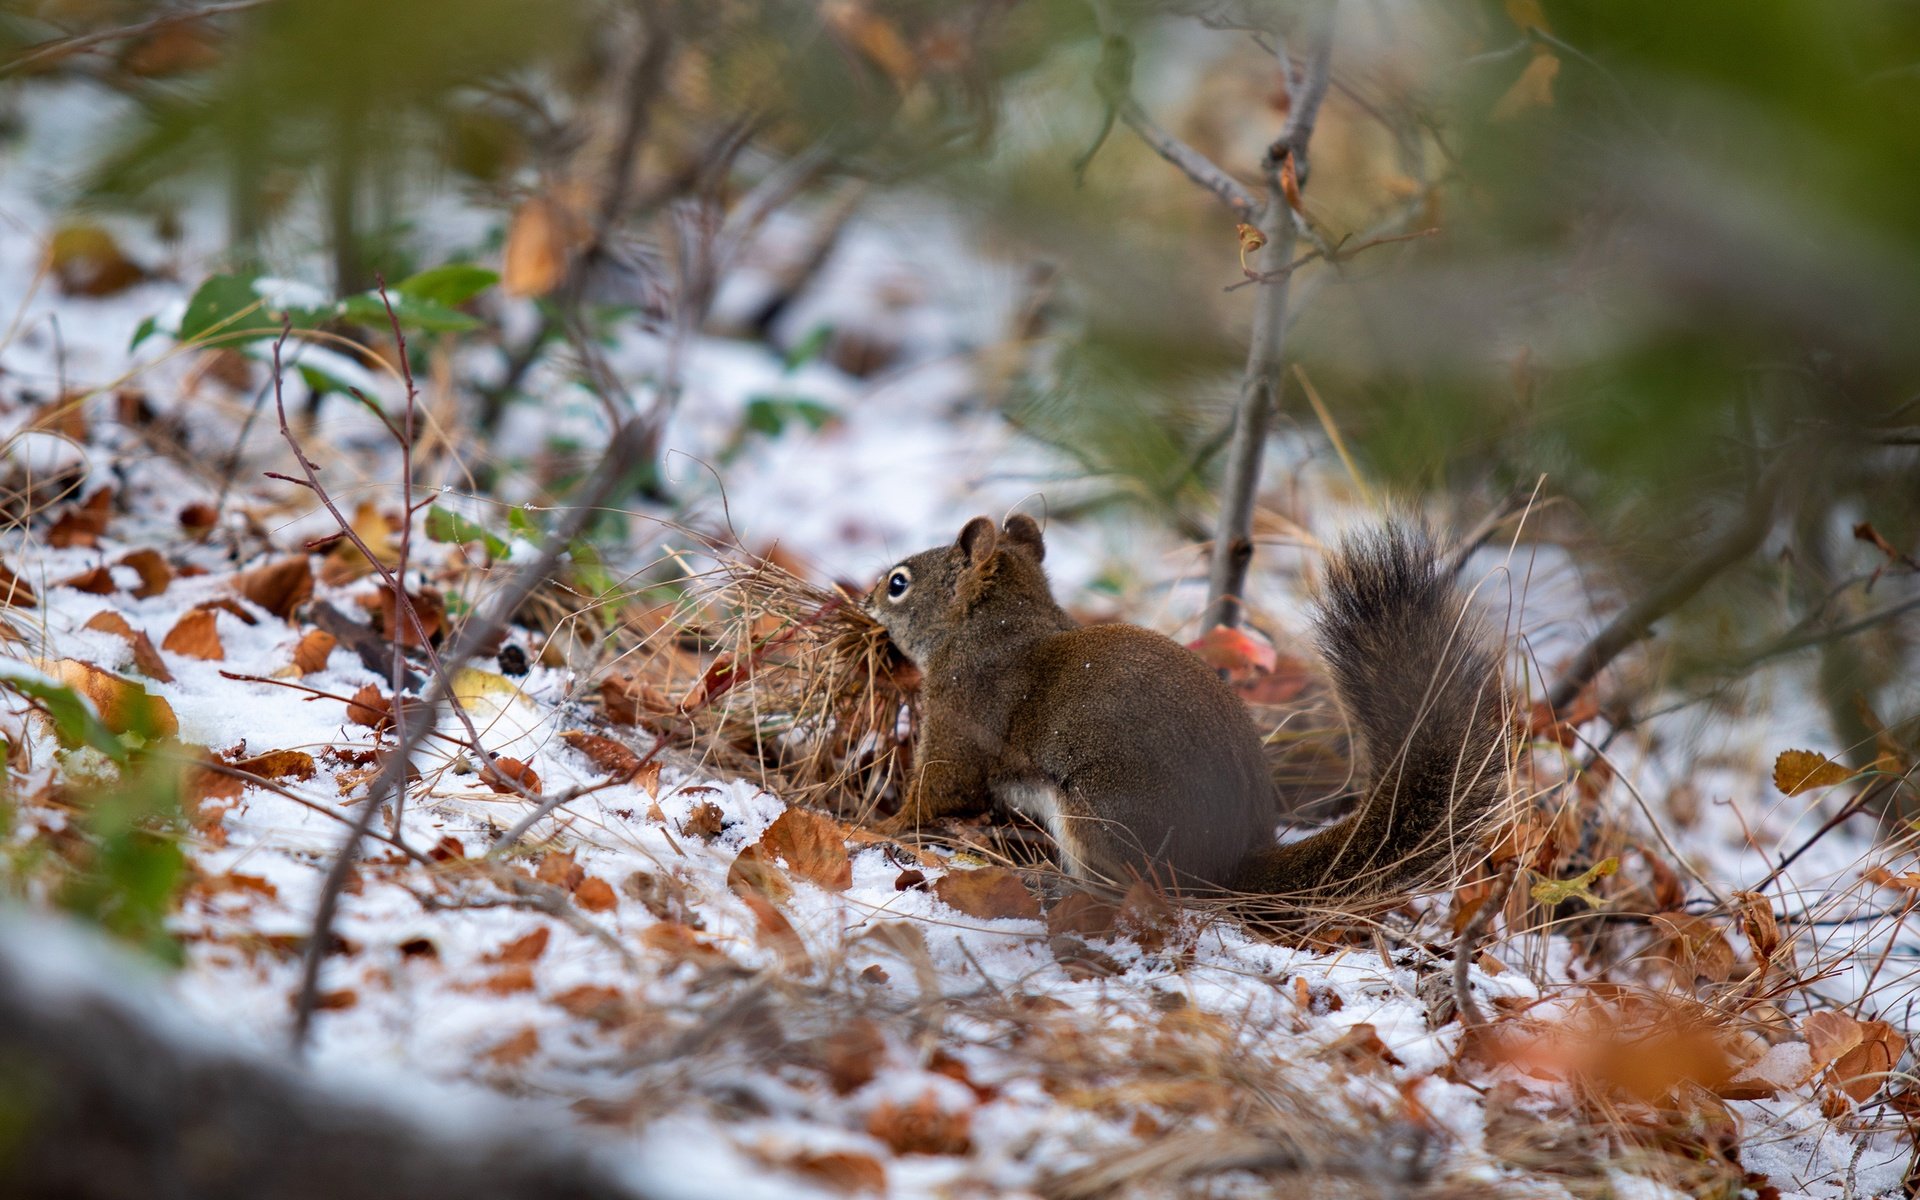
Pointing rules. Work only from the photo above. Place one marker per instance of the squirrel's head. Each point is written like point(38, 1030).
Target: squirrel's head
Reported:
point(924, 600)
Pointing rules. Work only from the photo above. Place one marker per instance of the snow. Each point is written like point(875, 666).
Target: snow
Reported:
point(708, 1088)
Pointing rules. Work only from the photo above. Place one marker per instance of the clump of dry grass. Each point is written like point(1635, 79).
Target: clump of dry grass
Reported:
point(805, 686)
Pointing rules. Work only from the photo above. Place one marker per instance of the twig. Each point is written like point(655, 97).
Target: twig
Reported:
point(1463, 952)
point(261, 781)
point(607, 478)
point(1193, 164)
point(1632, 623)
point(61, 47)
point(1260, 389)
point(1333, 254)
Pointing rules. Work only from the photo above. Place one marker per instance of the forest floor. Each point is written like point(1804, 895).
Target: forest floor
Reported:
point(748, 997)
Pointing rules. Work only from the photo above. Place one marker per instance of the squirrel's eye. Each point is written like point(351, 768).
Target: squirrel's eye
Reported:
point(898, 583)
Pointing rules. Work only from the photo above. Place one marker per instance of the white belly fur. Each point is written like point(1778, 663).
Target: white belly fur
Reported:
point(1040, 802)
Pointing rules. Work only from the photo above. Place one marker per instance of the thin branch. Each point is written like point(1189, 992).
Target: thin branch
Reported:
point(1633, 622)
point(62, 47)
point(1266, 358)
point(1463, 952)
point(608, 477)
point(1193, 164)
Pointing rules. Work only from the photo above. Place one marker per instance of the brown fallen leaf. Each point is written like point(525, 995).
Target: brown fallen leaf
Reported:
point(503, 773)
point(86, 260)
point(603, 752)
point(124, 706)
point(921, 1126)
point(280, 586)
point(853, 1054)
point(593, 1002)
point(13, 592)
point(345, 563)
point(312, 651)
point(706, 821)
point(195, 635)
point(812, 845)
point(595, 895)
point(775, 931)
point(516, 1049)
point(842, 1171)
point(279, 764)
point(156, 575)
point(198, 517)
point(561, 871)
point(1863, 1070)
point(541, 240)
point(371, 708)
point(525, 949)
point(97, 581)
point(145, 656)
point(989, 893)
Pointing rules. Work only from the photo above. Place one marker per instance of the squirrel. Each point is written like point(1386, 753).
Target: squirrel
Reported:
point(1143, 763)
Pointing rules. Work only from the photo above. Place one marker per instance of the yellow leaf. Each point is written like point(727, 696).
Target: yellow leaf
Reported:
point(540, 245)
point(1534, 88)
point(1797, 771)
point(1580, 887)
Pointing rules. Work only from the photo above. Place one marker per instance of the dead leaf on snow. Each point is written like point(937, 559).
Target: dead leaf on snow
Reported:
point(156, 575)
point(124, 706)
point(501, 770)
point(853, 1054)
point(279, 764)
point(989, 893)
point(280, 586)
point(842, 1171)
point(706, 821)
point(310, 654)
point(145, 656)
point(606, 754)
point(369, 707)
point(97, 581)
point(595, 895)
point(516, 1049)
point(1796, 771)
point(812, 845)
point(559, 870)
point(921, 1126)
point(594, 1002)
point(195, 635)
point(524, 949)
point(13, 592)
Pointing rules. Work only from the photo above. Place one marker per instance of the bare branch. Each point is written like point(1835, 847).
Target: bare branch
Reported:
point(62, 47)
point(1266, 358)
point(1195, 165)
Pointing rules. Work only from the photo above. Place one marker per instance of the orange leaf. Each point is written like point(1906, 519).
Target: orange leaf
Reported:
point(605, 753)
point(279, 764)
point(516, 1049)
point(144, 655)
point(196, 636)
point(842, 1171)
point(523, 949)
point(1861, 1071)
point(592, 1002)
point(921, 1126)
point(1234, 651)
point(595, 895)
point(124, 706)
point(812, 845)
point(280, 586)
point(15, 593)
point(1830, 1035)
point(561, 871)
point(310, 654)
point(988, 893)
point(496, 774)
point(155, 575)
point(370, 708)
point(1796, 771)
point(1534, 88)
point(540, 244)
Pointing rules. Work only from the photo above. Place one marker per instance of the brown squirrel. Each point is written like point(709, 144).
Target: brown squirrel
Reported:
point(1143, 763)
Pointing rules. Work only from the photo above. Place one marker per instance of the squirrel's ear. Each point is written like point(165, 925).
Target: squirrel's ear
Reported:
point(1024, 532)
point(978, 541)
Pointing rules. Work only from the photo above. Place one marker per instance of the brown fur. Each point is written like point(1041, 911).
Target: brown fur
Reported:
point(1143, 762)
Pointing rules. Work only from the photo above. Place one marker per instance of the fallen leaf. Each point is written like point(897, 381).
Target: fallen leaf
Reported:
point(195, 636)
point(706, 821)
point(156, 576)
point(145, 656)
point(604, 753)
point(1239, 653)
point(82, 524)
point(370, 708)
point(1796, 771)
point(1863, 1070)
point(280, 586)
point(1758, 924)
point(97, 581)
point(1830, 1034)
point(516, 1049)
point(989, 893)
point(1081, 913)
point(13, 592)
point(593, 1002)
point(448, 849)
point(501, 770)
point(541, 240)
point(345, 562)
point(525, 949)
point(921, 1126)
point(853, 1054)
point(198, 517)
point(1580, 887)
point(776, 932)
point(841, 1170)
point(312, 651)
point(1361, 1046)
point(86, 260)
point(811, 845)
point(559, 870)
point(595, 895)
point(279, 764)
point(336, 999)
point(124, 706)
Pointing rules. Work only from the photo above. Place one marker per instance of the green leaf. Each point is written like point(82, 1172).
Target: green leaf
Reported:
point(74, 722)
point(772, 414)
point(224, 306)
point(808, 348)
point(1580, 887)
point(589, 572)
point(423, 316)
point(520, 521)
point(445, 525)
point(450, 285)
point(141, 332)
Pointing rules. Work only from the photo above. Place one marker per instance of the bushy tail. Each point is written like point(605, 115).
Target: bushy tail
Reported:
point(1419, 679)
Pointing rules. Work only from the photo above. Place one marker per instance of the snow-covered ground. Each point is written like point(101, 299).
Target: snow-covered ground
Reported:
point(863, 1033)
